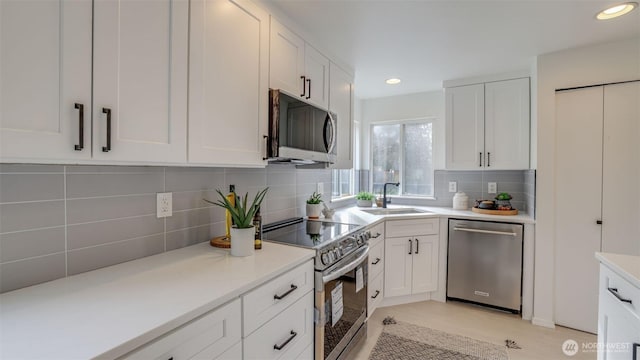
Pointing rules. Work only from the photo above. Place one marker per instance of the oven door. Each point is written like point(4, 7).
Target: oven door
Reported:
point(341, 302)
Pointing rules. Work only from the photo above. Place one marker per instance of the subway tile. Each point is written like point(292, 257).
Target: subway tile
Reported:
point(103, 232)
point(31, 187)
point(117, 169)
point(281, 179)
point(192, 218)
point(83, 260)
point(33, 215)
point(281, 191)
point(19, 274)
point(245, 178)
point(284, 214)
point(96, 185)
point(26, 244)
point(106, 208)
point(193, 199)
point(186, 237)
point(190, 179)
point(30, 168)
point(276, 204)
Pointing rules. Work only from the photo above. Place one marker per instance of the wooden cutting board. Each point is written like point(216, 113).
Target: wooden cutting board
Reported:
point(495, 212)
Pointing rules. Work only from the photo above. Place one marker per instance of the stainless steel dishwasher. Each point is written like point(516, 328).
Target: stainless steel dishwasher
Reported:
point(485, 263)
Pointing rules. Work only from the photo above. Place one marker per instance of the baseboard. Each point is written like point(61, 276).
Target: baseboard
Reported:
point(543, 322)
point(406, 299)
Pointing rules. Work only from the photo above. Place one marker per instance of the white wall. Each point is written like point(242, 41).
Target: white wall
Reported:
point(404, 107)
point(605, 63)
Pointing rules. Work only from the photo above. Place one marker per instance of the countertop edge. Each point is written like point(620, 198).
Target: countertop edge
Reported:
point(622, 265)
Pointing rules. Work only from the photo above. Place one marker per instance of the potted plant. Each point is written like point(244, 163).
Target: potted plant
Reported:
point(364, 199)
point(242, 231)
point(314, 206)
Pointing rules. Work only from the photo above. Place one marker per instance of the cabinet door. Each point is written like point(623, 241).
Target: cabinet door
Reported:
point(464, 113)
point(617, 329)
point(286, 60)
point(398, 266)
point(317, 71)
point(506, 124)
point(621, 169)
point(45, 69)
point(228, 86)
point(140, 75)
point(578, 206)
point(341, 103)
point(425, 264)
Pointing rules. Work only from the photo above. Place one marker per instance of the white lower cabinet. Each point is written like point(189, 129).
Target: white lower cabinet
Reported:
point(376, 268)
point(376, 293)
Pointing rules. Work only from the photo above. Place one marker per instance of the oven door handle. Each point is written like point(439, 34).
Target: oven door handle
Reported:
point(363, 253)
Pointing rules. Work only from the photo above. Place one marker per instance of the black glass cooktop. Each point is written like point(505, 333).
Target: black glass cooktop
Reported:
point(310, 234)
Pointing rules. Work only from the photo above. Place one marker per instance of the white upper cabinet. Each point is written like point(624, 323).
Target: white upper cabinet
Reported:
point(228, 83)
point(45, 70)
point(487, 125)
point(341, 103)
point(297, 68)
point(140, 78)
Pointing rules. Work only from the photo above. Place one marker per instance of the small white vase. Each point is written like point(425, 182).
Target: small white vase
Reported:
point(242, 241)
point(314, 210)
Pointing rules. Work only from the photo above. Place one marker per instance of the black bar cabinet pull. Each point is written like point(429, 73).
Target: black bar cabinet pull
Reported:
point(410, 247)
point(599, 222)
point(488, 159)
point(417, 245)
point(377, 235)
point(266, 141)
point(309, 92)
point(80, 145)
point(280, 347)
point(108, 112)
point(376, 262)
point(376, 295)
point(480, 164)
point(304, 86)
point(614, 291)
point(280, 297)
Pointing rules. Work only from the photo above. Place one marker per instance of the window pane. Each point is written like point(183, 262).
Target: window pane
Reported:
point(341, 184)
point(385, 140)
point(418, 172)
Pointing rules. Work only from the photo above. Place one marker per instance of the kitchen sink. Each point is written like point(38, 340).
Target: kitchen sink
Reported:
point(394, 211)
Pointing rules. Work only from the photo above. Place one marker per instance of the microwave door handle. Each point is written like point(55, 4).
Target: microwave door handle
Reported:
point(330, 143)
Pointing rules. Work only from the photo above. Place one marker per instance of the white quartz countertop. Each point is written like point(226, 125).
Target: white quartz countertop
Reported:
point(627, 266)
point(108, 312)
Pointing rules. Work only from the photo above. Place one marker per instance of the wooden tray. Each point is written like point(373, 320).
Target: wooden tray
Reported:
point(223, 242)
point(494, 212)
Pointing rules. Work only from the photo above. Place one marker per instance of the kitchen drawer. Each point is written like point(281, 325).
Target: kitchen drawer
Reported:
point(625, 290)
point(377, 234)
point(307, 353)
point(376, 260)
point(375, 289)
point(413, 227)
point(297, 319)
point(261, 304)
point(211, 334)
point(233, 353)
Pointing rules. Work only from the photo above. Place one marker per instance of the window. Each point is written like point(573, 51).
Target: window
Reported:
point(342, 183)
point(403, 152)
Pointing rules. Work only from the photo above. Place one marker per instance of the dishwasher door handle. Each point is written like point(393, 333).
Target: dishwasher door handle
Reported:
point(485, 231)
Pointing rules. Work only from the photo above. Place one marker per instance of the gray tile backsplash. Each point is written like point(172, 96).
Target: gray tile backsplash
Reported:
point(57, 221)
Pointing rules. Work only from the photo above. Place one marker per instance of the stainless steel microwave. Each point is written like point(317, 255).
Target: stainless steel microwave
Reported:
point(300, 132)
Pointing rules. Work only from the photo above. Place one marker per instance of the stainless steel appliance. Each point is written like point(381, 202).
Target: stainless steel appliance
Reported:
point(341, 273)
point(485, 263)
point(300, 132)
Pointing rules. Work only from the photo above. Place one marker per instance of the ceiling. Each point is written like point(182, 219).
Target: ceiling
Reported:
point(425, 42)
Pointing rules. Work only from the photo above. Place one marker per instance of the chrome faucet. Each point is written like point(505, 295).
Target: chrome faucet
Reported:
point(384, 196)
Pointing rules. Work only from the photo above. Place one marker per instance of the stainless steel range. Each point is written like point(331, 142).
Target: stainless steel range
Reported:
point(341, 271)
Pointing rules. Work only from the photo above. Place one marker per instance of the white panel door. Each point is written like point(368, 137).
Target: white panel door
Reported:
point(286, 57)
point(425, 264)
point(578, 206)
point(45, 70)
point(317, 71)
point(464, 111)
point(398, 267)
point(228, 87)
point(140, 76)
point(506, 124)
point(341, 103)
point(621, 172)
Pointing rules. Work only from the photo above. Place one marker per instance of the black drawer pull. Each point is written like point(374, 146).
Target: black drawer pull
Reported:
point(108, 147)
point(410, 247)
point(304, 86)
point(280, 347)
point(480, 164)
point(376, 262)
point(488, 159)
point(377, 236)
point(376, 295)
point(309, 93)
point(417, 245)
point(280, 297)
point(614, 291)
point(80, 145)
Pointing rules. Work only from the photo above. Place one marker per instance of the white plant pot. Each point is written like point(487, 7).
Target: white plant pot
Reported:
point(364, 203)
point(314, 210)
point(242, 241)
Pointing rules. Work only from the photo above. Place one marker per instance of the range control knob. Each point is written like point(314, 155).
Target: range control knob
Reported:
point(332, 256)
point(325, 258)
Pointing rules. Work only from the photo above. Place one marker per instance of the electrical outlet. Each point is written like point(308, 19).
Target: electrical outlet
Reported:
point(493, 188)
point(320, 188)
point(164, 205)
point(453, 186)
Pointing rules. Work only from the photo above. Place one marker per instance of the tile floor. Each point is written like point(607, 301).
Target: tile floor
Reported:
point(482, 324)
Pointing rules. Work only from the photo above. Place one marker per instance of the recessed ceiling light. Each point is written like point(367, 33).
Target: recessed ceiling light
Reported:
point(393, 81)
point(616, 11)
